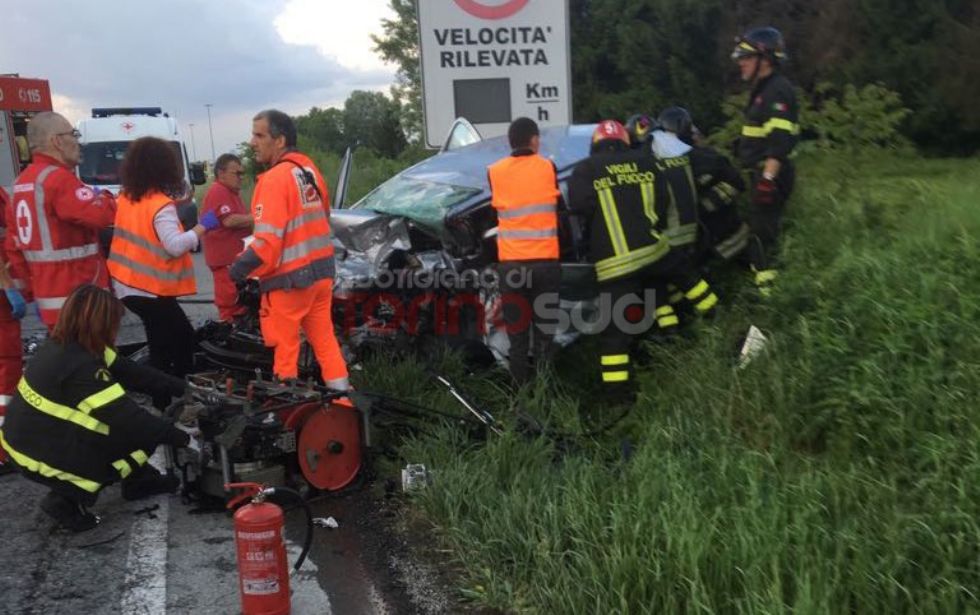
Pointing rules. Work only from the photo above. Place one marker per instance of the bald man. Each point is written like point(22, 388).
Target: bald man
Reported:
point(56, 218)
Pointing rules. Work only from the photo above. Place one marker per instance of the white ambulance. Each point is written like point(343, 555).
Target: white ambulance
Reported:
point(106, 135)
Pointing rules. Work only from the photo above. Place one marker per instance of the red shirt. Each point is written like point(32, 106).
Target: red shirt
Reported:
point(223, 244)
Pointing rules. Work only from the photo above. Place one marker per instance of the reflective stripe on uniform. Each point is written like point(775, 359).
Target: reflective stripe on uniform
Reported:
point(615, 359)
point(776, 123)
point(304, 248)
point(734, 244)
point(615, 376)
point(126, 465)
point(42, 218)
point(623, 264)
point(156, 250)
point(150, 271)
point(338, 384)
point(58, 256)
point(103, 397)
point(527, 210)
point(110, 356)
point(72, 415)
point(50, 303)
point(310, 216)
point(263, 227)
point(39, 467)
point(611, 215)
point(649, 202)
point(551, 232)
point(5, 401)
point(666, 317)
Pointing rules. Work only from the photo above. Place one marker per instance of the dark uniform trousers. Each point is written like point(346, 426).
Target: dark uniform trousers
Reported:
point(766, 220)
point(522, 283)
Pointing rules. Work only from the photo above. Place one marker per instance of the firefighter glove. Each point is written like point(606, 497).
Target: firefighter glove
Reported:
point(18, 307)
point(209, 221)
point(765, 192)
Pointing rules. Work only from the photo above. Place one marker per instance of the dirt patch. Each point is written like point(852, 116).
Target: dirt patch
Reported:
point(399, 554)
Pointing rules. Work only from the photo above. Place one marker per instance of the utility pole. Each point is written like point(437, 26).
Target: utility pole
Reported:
point(193, 147)
point(210, 130)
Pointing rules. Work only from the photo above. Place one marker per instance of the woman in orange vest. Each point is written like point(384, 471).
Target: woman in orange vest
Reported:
point(150, 261)
point(524, 193)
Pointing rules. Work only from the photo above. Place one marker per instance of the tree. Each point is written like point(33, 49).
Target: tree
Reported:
point(400, 45)
point(324, 128)
point(371, 119)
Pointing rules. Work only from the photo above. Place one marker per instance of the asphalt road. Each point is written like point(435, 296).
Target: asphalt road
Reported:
point(160, 557)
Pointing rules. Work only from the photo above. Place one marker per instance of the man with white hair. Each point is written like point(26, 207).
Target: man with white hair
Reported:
point(57, 218)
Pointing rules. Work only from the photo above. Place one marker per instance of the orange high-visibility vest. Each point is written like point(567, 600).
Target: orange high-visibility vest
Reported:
point(525, 195)
point(291, 206)
point(137, 258)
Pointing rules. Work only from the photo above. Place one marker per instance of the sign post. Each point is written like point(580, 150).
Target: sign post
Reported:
point(491, 61)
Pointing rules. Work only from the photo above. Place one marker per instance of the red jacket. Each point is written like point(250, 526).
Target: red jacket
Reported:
point(55, 226)
point(11, 255)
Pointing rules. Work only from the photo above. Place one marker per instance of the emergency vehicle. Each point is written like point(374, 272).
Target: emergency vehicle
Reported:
point(20, 99)
point(107, 134)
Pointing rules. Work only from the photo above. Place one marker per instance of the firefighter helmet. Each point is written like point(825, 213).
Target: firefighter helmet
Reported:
point(610, 130)
point(678, 121)
point(764, 42)
point(640, 128)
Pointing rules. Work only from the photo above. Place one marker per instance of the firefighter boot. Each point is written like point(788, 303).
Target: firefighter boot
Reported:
point(147, 481)
point(69, 514)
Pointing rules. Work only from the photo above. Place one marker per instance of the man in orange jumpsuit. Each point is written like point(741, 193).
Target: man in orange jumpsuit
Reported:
point(292, 254)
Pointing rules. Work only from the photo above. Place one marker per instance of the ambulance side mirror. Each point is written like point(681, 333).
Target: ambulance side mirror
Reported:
point(198, 176)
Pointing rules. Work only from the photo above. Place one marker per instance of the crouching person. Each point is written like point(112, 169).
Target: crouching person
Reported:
point(70, 425)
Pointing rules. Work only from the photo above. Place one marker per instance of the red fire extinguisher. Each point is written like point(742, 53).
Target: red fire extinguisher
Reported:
point(263, 573)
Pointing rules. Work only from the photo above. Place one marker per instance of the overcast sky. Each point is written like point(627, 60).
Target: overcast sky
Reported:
point(239, 55)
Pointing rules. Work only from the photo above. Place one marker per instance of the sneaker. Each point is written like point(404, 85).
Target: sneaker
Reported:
point(147, 481)
point(69, 514)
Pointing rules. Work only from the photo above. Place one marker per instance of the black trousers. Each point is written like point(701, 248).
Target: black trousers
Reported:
point(521, 284)
point(169, 335)
point(766, 221)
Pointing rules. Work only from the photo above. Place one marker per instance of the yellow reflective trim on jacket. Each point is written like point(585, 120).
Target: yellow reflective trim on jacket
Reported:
point(611, 215)
point(615, 359)
point(72, 415)
point(707, 303)
point(615, 376)
point(699, 289)
point(140, 457)
point(122, 466)
point(103, 397)
point(39, 467)
point(776, 123)
point(649, 202)
point(618, 266)
point(110, 356)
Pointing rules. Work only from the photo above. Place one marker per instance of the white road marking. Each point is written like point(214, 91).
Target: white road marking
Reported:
point(145, 586)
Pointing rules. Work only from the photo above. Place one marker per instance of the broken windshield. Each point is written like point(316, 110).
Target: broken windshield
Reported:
point(422, 201)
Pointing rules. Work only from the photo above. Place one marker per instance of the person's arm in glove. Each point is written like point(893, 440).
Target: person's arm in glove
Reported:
point(766, 191)
point(18, 306)
point(209, 221)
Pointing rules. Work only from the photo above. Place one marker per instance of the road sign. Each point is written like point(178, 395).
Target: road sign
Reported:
point(492, 61)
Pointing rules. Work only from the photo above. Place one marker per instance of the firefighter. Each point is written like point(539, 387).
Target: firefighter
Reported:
point(292, 254)
point(224, 244)
point(622, 196)
point(769, 134)
point(719, 184)
point(150, 260)
point(13, 305)
point(524, 189)
point(680, 221)
point(57, 218)
point(71, 426)
point(640, 128)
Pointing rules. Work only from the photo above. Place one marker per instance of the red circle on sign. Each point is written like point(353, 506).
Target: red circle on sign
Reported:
point(500, 11)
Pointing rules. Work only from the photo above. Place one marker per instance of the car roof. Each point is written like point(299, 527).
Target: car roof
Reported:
point(467, 166)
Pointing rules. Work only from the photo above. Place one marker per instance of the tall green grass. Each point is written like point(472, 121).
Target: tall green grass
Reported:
point(838, 473)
